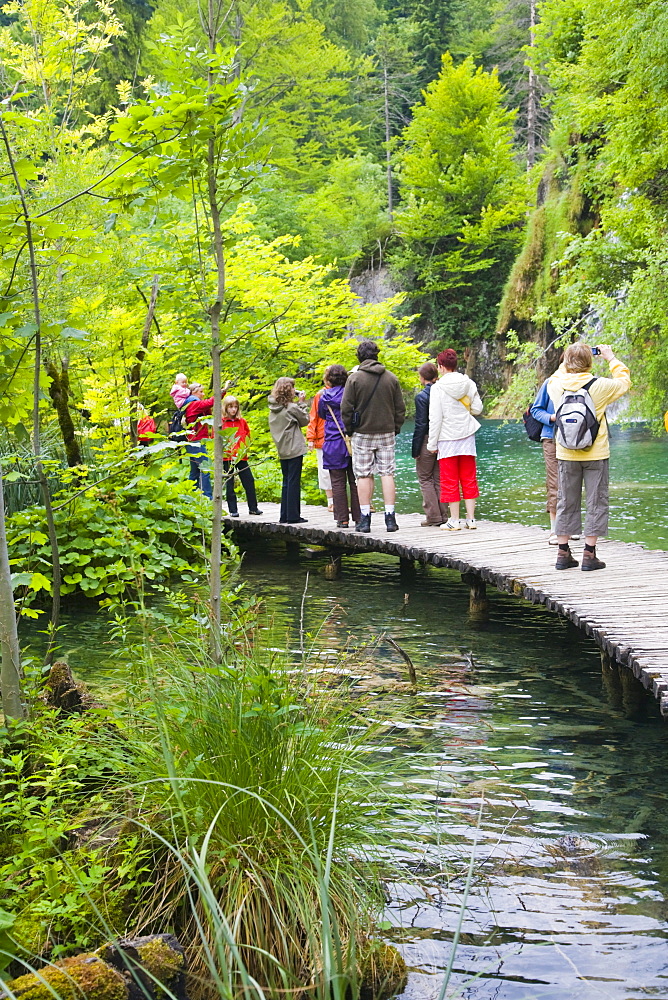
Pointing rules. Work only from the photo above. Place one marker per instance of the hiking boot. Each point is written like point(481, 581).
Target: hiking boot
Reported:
point(364, 524)
point(430, 524)
point(565, 560)
point(342, 524)
point(391, 522)
point(255, 512)
point(590, 561)
point(233, 513)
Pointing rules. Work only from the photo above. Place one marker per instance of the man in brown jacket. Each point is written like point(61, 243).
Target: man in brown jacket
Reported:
point(373, 411)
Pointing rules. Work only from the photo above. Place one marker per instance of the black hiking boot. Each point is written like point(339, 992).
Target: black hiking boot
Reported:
point(565, 559)
point(590, 561)
point(364, 524)
point(391, 522)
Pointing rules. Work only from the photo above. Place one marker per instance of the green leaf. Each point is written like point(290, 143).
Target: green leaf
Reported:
point(40, 582)
point(26, 170)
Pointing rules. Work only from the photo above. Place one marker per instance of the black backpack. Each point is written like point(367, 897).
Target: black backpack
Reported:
point(177, 421)
point(533, 427)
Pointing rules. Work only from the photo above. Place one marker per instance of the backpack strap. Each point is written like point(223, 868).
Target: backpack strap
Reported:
point(589, 384)
point(373, 393)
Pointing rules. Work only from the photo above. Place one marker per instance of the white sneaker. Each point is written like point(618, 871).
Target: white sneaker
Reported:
point(451, 525)
point(575, 538)
point(470, 524)
point(553, 539)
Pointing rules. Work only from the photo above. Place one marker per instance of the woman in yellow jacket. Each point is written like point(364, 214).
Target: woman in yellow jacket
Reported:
point(585, 465)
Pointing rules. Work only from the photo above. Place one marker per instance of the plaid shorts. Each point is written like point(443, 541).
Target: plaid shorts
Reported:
point(373, 453)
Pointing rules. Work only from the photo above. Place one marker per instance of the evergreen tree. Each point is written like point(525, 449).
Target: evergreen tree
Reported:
point(435, 20)
point(462, 200)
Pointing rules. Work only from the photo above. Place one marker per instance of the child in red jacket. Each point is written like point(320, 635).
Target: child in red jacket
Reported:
point(237, 435)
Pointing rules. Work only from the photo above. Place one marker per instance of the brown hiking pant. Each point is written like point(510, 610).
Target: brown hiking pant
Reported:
point(340, 495)
point(426, 468)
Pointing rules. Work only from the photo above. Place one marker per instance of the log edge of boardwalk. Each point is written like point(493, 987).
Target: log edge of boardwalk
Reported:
point(623, 608)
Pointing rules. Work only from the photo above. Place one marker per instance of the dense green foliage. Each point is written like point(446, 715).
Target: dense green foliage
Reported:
point(594, 258)
point(462, 199)
point(140, 527)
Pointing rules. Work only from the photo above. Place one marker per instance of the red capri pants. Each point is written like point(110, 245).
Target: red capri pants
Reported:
point(455, 470)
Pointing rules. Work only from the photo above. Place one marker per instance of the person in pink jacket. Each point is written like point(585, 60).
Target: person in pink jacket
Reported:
point(179, 391)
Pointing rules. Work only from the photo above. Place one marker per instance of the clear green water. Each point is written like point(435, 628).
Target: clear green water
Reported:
point(570, 893)
point(512, 480)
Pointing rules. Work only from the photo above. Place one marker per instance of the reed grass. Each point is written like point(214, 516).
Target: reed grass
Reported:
point(259, 803)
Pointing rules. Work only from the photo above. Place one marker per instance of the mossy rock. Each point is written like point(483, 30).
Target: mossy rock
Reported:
point(137, 969)
point(72, 979)
point(62, 691)
point(154, 965)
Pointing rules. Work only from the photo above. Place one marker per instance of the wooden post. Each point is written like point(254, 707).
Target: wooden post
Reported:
point(333, 567)
point(291, 550)
point(406, 566)
point(478, 602)
point(633, 694)
point(612, 684)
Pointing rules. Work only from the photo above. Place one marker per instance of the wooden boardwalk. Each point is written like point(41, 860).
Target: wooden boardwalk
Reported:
point(623, 608)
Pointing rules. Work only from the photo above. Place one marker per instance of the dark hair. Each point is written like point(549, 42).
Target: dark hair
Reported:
point(428, 371)
point(337, 375)
point(367, 350)
point(448, 359)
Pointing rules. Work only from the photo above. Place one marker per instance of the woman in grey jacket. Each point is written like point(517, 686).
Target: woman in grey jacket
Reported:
point(286, 419)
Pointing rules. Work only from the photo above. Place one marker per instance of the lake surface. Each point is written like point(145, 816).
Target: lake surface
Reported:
point(511, 476)
point(569, 898)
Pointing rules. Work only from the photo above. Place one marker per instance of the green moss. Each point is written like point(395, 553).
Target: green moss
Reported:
point(83, 976)
point(161, 962)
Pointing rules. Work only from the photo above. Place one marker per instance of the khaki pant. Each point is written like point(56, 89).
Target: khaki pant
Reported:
point(572, 476)
point(551, 473)
point(426, 468)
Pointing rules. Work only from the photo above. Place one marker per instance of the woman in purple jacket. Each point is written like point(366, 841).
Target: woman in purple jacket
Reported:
point(335, 454)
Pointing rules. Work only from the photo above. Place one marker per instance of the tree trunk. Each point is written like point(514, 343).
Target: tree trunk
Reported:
point(59, 390)
point(135, 372)
point(388, 154)
point(10, 668)
point(215, 583)
point(532, 104)
point(39, 469)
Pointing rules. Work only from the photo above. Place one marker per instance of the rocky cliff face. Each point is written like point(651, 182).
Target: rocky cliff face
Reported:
point(374, 285)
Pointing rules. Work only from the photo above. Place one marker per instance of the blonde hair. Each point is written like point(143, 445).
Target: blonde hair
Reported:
point(180, 375)
point(578, 358)
point(228, 401)
point(284, 390)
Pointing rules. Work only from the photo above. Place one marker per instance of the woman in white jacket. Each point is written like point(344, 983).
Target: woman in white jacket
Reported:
point(453, 404)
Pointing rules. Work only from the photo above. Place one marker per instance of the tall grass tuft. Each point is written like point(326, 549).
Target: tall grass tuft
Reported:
point(257, 802)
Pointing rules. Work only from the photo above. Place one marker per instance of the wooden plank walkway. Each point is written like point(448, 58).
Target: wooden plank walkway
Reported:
point(623, 608)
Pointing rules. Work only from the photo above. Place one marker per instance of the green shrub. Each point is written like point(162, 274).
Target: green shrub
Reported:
point(133, 531)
